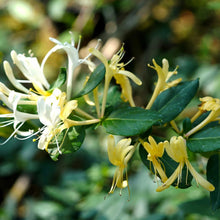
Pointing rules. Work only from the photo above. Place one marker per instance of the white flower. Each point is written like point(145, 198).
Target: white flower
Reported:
point(16, 118)
point(30, 68)
point(53, 111)
point(73, 60)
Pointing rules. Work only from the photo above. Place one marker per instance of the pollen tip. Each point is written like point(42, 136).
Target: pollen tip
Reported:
point(91, 49)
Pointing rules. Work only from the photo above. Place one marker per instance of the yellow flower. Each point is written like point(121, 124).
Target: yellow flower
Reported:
point(113, 69)
point(119, 155)
point(154, 151)
point(208, 104)
point(177, 151)
point(163, 77)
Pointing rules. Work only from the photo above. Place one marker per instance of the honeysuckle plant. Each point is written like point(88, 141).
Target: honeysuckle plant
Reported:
point(57, 117)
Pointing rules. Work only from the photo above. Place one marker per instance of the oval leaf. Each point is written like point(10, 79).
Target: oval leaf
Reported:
point(95, 78)
point(205, 140)
point(130, 121)
point(172, 101)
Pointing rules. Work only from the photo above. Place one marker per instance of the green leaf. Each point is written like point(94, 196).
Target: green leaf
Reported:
point(130, 121)
point(32, 109)
point(61, 79)
point(94, 80)
point(187, 125)
point(69, 141)
point(206, 140)
point(114, 100)
point(169, 166)
point(213, 176)
point(172, 101)
point(199, 206)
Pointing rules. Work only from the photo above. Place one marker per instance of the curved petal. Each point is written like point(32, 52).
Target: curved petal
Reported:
point(199, 179)
point(12, 79)
point(131, 76)
point(171, 179)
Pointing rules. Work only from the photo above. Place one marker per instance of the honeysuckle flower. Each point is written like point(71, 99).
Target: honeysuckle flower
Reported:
point(113, 69)
point(176, 149)
point(53, 111)
point(154, 152)
point(73, 60)
point(15, 118)
point(119, 155)
point(163, 79)
point(30, 68)
point(208, 104)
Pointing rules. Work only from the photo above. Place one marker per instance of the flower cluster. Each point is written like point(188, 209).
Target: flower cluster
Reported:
point(53, 113)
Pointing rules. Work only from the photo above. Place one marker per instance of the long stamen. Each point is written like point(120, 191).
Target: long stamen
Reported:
point(12, 134)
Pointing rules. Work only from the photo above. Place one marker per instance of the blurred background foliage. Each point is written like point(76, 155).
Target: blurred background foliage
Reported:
point(187, 33)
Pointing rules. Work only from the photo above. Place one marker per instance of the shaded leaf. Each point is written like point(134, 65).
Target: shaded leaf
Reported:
point(61, 79)
point(69, 141)
point(213, 176)
point(32, 109)
point(199, 206)
point(94, 80)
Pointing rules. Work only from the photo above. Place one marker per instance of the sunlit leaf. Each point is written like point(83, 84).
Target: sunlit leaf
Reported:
point(130, 121)
point(172, 101)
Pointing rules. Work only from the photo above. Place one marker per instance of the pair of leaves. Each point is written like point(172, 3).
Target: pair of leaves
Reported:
point(167, 106)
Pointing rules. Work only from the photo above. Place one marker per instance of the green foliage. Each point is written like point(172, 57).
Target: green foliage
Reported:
point(130, 121)
point(213, 175)
point(187, 125)
point(68, 141)
point(206, 140)
point(173, 101)
point(75, 186)
point(32, 109)
point(94, 80)
point(61, 79)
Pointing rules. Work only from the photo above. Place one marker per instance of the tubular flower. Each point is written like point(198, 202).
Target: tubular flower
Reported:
point(30, 68)
point(73, 60)
point(113, 69)
point(15, 117)
point(119, 155)
point(208, 104)
point(163, 77)
point(154, 152)
point(53, 111)
point(176, 149)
